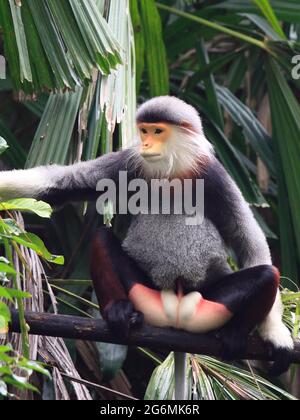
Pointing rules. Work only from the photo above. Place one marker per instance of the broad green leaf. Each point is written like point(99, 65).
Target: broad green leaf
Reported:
point(7, 359)
point(4, 311)
point(9, 227)
point(12, 294)
point(3, 324)
point(4, 294)
point(31, 205)
point(32, 241)
point(5, 318)
point(157, 67)
point(19, 382)
point(34, 366)
point(5, 268)
point(5, 349)
point(5, 370)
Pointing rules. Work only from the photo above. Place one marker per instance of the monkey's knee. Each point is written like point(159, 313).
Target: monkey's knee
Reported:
point(269, 279)
point(261, 300)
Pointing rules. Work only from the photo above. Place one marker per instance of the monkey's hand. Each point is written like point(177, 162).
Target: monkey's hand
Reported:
point(121, 317)
point(279, 338)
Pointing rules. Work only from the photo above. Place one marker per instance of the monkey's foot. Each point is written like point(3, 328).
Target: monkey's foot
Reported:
point(121, 317)
point(282, 361)
point(189, 312)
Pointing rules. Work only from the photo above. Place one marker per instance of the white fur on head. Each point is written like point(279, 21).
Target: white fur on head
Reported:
point(184, 153)
point(170, 109)
point(187, 149)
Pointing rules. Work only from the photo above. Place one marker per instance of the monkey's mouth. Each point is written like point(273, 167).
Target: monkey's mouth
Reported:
point(151, 156)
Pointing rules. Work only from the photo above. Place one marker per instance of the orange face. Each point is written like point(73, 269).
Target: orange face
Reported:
point(153, 137)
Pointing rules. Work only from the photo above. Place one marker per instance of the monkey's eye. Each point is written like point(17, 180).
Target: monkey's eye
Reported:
point(143, 130)
point(158, 131)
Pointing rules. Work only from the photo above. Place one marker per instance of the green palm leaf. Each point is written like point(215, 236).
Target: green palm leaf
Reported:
point(82, 37)
point(286, 132)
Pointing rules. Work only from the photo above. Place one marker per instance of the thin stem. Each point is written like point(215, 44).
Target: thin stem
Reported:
point(70, 282)
point(214, 25)
point(79, 298)
point(97, 386)
point(151, 355)
point(69, 305)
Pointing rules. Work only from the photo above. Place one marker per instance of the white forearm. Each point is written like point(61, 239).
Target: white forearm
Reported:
point(24, 183)
point(58, 184)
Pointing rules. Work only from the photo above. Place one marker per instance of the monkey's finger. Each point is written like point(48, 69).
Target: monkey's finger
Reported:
point(118, 317)
point(136, 319)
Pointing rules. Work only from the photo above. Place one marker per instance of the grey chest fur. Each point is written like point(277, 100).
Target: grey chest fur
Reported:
point(167, 249)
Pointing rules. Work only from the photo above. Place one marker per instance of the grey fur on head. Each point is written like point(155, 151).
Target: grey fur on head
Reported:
point(171, 110)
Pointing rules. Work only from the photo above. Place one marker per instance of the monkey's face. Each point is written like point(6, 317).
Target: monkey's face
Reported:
point(154, 137)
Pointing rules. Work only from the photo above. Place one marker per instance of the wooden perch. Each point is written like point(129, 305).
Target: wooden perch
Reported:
point(74, 327)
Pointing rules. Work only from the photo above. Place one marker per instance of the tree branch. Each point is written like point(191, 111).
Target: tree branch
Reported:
point(74, 327)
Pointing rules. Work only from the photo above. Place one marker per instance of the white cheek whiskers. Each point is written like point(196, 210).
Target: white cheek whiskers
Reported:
point(184, 152)
point(188, 150)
